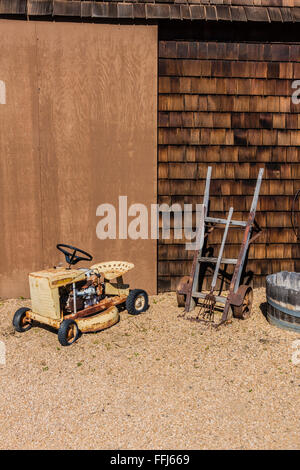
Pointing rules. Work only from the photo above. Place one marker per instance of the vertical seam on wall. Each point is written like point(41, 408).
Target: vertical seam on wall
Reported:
point(157, 151)
point(39, 142)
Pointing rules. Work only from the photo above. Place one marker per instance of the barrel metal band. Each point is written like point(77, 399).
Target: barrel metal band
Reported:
point(292, 313)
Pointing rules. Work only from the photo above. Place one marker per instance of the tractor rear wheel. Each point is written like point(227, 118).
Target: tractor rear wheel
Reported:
point(68, 332)
point(137, 301)
point(20, 322)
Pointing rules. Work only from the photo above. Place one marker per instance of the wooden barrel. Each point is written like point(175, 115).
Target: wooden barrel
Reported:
point(283, 300)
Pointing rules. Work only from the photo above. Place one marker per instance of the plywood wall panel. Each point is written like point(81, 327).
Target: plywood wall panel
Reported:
point(98, 135)
point(20, 201)
point(79, 128)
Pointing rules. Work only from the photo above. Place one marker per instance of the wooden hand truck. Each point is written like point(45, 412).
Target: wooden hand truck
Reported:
point(240, 297)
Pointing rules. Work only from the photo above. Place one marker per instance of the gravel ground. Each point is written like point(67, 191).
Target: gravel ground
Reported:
point(151, 382)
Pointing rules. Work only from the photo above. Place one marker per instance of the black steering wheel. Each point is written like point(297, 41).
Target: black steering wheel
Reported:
point(71, 256)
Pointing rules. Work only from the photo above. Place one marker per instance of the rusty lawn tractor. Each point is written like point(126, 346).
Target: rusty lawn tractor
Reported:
point(79, 300)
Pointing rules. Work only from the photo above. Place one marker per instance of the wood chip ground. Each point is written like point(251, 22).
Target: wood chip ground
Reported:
point(151, 382)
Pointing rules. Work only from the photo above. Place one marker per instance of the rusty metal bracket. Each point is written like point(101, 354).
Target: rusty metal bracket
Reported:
point(235, 299)
point(258, 230)
point(252, 239)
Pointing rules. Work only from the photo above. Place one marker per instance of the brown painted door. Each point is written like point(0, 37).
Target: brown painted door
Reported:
point(91, 111)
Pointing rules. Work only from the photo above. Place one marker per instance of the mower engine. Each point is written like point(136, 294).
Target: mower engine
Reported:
point(82, 294)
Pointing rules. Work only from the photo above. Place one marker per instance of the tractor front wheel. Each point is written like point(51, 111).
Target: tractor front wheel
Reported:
point(137, 301)
point(68, 332)
point(20, 321)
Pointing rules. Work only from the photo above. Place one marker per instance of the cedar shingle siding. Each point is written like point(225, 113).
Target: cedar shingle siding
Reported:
point(229, 105)
point(211, 10)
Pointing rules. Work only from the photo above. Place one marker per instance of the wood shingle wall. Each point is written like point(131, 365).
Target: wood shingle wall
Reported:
point(276, 11)
point(229, 105)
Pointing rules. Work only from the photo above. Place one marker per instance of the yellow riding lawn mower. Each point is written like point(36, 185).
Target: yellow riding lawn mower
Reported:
point(79, 300)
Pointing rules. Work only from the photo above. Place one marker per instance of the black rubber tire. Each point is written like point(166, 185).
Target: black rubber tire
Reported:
point(131, 300)
point(17, 320)
point(63, 332)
